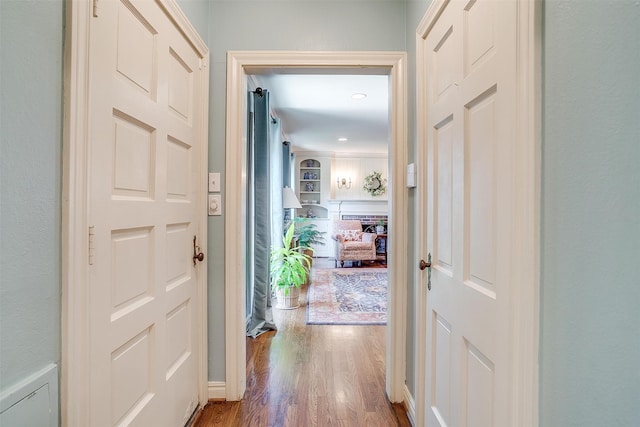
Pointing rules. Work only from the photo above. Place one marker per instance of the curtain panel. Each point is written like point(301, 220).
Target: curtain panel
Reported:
point(260, 205)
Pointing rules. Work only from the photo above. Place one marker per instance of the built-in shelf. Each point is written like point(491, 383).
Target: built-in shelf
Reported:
point(310, 179)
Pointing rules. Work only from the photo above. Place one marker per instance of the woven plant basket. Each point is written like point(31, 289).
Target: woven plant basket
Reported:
point(290, 301)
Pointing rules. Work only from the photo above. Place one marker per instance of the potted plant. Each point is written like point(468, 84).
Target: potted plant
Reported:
point(307, 234)
point(380, 226)
point(289, 269)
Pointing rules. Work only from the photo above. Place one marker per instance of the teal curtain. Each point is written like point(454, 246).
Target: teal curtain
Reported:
point(259, 219)
point(276, 185)
point(286, 164)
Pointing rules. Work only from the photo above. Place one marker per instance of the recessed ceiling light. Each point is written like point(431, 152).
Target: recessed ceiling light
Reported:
point(359, 96)
point(342, 139)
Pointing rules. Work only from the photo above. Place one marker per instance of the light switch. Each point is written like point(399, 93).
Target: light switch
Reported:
point(215, 204)
point(411, 175)
point(214, 182)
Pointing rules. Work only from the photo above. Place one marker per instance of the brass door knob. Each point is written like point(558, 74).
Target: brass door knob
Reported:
point(197, 255)
point(426, 265)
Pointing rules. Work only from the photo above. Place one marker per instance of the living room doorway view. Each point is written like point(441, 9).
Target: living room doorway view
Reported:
point(327, 164)
point(241, 65)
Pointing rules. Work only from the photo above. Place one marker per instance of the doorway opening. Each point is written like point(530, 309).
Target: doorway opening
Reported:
point(242, 64)
point(326, 125)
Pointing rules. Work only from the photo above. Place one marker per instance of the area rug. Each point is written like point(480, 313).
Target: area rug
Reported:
point(345, 296)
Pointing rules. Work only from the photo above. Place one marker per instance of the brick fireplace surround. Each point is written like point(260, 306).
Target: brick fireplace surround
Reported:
point(368, 220)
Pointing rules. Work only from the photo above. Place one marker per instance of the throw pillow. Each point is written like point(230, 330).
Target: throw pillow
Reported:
point(351, 235)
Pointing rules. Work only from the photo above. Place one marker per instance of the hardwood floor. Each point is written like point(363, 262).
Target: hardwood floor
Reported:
point(311, 375)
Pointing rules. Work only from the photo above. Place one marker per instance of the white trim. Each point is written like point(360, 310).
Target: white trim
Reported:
point(526, 306)
point(397, 220)
point(420, 287)
point(202, 282)
point(410, 406)
point(75, 317)
point(235, 232)
point(74, 367)
point(216, 390)
point(239, 64)
point(527, 273)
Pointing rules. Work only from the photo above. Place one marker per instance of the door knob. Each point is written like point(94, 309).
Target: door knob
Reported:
point(197, 255)
point(427, 265)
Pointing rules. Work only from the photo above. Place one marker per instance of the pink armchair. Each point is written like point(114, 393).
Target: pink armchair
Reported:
point(352, 244)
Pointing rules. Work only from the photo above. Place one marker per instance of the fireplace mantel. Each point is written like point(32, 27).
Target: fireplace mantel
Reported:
point(338, 208)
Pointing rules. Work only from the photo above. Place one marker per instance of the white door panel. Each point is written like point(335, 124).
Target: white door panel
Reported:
point(470, 74)
point(144, 177)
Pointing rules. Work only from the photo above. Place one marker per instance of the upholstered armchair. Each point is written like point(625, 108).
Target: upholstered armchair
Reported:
point(351, 243)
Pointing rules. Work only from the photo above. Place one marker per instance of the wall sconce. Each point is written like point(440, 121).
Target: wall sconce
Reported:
point(342, 183)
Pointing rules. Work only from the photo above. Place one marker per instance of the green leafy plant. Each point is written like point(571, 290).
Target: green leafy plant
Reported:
point(307, 233)
point(289, 266)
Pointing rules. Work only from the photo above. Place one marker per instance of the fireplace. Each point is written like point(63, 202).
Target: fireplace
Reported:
point(369, 222)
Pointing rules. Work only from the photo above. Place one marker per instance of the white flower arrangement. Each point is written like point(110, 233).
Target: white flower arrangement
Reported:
point(374, 184)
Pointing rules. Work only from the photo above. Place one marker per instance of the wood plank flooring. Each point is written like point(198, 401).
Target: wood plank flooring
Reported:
point(311, 375)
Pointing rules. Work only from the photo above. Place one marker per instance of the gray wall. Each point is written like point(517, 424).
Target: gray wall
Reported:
point(590, 319)
point(197, 11)
point(30, 186)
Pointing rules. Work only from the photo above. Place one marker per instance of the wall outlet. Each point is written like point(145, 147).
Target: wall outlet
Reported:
point(214, 182)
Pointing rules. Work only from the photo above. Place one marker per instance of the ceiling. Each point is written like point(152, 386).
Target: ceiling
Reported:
point(316, 109)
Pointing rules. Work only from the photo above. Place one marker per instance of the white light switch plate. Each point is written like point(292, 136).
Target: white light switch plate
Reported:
point(214, 182)
point(215, 204)
point(411, 175)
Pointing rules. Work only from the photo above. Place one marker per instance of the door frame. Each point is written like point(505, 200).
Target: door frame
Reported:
point(239, 65)
point(75, 315)
point(525, 312)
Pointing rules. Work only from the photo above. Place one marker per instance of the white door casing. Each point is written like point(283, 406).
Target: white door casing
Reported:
point(477, 325)
point(239, 65)
point(140, 72)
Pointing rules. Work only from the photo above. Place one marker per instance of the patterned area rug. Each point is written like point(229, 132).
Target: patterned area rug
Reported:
point(345, 296)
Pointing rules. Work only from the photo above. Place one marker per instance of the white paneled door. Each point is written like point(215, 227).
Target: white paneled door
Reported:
point(145, 115)
point(469, 62)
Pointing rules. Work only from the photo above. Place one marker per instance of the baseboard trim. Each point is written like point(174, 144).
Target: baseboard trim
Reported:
point(410, 405)
point(217, 390)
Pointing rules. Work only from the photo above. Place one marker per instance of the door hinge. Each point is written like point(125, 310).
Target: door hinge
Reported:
point(95, 8)
point(91, 237)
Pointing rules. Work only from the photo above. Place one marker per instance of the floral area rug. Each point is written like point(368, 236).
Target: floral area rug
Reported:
point(345, 296)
